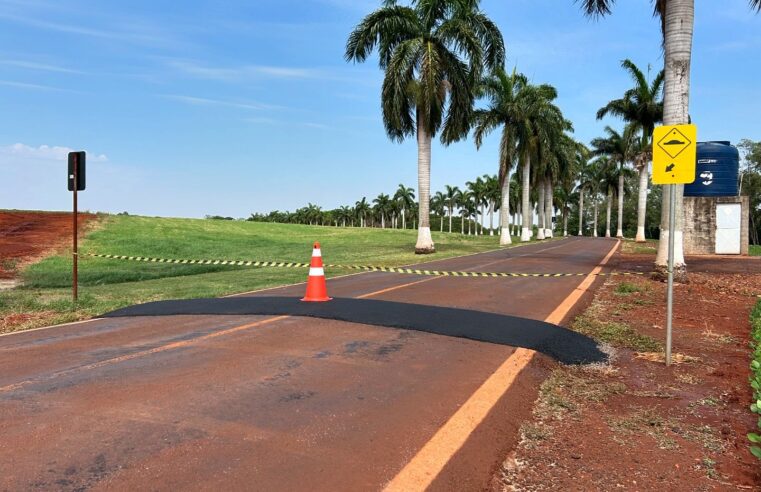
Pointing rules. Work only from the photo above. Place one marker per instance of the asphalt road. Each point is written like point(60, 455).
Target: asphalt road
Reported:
point(213, 402)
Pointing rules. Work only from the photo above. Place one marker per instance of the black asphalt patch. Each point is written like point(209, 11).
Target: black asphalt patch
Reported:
point(564, 345)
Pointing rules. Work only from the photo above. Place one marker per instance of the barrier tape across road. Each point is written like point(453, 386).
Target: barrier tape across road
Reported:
point(366, 268)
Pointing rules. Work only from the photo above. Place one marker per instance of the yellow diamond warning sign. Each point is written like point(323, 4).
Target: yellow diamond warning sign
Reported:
point(674, 154)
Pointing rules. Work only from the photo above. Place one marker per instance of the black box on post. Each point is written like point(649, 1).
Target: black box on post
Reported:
point(79, 158)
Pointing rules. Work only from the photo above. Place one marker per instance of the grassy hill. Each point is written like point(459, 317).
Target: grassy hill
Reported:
point(105, 285)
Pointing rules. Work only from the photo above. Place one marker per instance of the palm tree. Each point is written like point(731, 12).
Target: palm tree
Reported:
point(382, 203)
point(313, 214)
point(438, 207)
point(492, 195)
point(620, 148)
point(608, 182)
point(405, 198)
point(477, 190)
point(515, 192)
point(469, 211)
point(677, 24)
point(433, 53)
point(598, 171)
point(344, 214)
point(558, 165)
point(584, 177)
point(540, 123)
point(463, 202)
point(361, 208)
point(642, 104)
point(569, 165)
point(502, 92)
point(451, 194)
point(564, 195)
point(393, 210)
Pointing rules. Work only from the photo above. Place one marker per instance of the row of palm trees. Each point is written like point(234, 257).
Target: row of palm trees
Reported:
point(480, 197)
point(440, 56)
point(561, 173)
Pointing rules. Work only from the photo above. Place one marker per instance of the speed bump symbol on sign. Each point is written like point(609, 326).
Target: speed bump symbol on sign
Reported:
point(674, 154)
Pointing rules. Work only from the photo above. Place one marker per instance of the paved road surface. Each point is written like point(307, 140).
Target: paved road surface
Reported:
point(283, 403)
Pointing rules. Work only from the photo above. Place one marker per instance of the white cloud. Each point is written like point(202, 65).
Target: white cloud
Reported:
point(25, 85)
point(243, 72)
point(38, 66)
point(45, 153)
point(203, 101)
point(316, 125)
point(132, 30)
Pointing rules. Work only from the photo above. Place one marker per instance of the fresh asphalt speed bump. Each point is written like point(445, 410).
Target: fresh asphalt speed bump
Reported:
point(367, 268)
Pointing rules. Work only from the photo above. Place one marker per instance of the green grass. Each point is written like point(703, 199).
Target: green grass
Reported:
point(105, 284)
point(755, 250)
point(617, 334)
point(625, 288)
point(650, 247)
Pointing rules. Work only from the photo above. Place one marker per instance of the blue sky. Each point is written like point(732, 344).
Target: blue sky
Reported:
point(239, 106)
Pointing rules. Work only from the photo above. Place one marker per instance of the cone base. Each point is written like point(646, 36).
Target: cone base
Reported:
point(312, 299)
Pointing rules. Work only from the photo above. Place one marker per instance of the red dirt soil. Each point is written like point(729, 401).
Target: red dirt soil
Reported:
point(638, 425)
point(27, 236)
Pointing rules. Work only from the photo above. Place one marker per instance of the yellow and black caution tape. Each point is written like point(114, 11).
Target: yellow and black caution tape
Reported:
point(366, 268)
point(147, 259)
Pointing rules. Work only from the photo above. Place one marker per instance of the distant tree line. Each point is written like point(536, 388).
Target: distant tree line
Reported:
point(750, 185)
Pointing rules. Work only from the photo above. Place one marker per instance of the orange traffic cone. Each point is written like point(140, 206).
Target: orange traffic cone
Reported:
point(317, 290)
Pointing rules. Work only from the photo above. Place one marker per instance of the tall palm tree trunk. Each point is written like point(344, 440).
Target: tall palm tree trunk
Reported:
point(679, 23)
point(504, 214)
point(581, 212)
point(451, 210)
point(462, 225)
point(540, 227)
point(620, 228)
point(491, 218)
point(383, 221)
point(525, 205)
point(642, 203)
point(610, 209)
point(548, 196)
point(565, 222)
point(594, 233)
point(424, 241)
point(515, 223)
point(517, 220)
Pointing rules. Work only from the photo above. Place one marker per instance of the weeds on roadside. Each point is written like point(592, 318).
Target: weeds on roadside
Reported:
point(625, 288)
point(755, 381)
point(616, 333)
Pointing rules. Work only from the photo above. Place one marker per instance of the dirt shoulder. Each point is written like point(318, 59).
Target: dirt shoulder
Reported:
point(28, 236)
point(635, 424)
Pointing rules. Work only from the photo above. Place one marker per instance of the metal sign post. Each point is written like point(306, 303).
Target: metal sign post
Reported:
point(75, 251)
point(670, 294)
point(674, 162)
point(76, 183)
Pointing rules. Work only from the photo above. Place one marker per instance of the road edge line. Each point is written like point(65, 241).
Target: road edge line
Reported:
point(62, 325)
point(420, 472)
point(425, 466)
point(560, 312)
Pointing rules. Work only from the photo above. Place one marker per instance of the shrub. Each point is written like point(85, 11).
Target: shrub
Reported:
point(755, 379)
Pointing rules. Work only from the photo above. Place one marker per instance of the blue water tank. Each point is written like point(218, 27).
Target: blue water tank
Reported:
point(717, 170)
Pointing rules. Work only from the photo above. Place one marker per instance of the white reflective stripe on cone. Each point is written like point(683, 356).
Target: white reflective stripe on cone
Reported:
point(316, 252)
point(316, 272)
